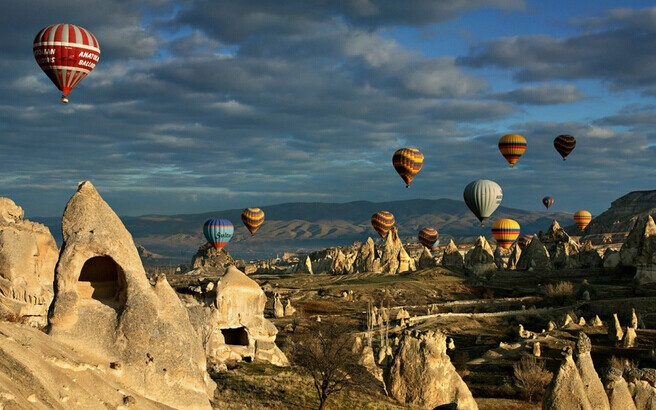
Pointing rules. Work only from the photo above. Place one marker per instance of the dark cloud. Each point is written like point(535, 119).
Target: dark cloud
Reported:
point(545, 94)
point(619, 51)
point(237, 21)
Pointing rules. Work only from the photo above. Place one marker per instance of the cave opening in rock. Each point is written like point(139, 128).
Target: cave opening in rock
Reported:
point(102, 279)
point(237, 336)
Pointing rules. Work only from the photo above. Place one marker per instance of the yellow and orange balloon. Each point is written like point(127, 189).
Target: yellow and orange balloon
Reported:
point(252, 218)
point(505, 231)
point(408, 162)
point(382, 221)
point(582, 218)
point(512, 147)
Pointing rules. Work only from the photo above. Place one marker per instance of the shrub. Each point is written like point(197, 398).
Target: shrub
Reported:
point(560, 292)
point(531, 377)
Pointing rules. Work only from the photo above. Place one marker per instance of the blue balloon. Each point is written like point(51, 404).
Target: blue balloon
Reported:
point(218, 232)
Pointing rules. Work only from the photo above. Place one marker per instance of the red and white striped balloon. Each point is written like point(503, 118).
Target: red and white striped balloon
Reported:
point(66, 53)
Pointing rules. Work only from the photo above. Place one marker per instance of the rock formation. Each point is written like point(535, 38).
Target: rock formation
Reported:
point(304, 266)
point(289, 309)
point(534, 256)
point(501, 257)
point(480, 259)
point(452, 257)
point(238, 329)
point(644, 394)
point(566, 390)
point(105, 306)
point(331, 260)
point(639, 248)
point(596, 322)
point(592, 384)
point(210, 258)
point(562, 250)
point(589, 257)
point(278, 308)
point(28, 255)
point(619, 396)
point(393, 257)
point(426, 260)
point(422, 373)
point(611, 258)
point(615, 332)
point(390, 257)
point(513, 259)
point(630, 336)
point(537, 352)
point(366, 260)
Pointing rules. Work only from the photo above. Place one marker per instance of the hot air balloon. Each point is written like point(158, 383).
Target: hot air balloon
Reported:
point(547, 201)
point(564, 144)
point(428, 237)
point(408, 162)
point(512, 146)
point(523, 240)
point(218, 232)
point(382, 221)
point(582, 218)
point(66, 53)
point(505, 231)
point(483, 198)
point(252, 218)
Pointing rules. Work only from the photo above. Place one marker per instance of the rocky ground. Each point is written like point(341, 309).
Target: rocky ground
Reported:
point(481, 316)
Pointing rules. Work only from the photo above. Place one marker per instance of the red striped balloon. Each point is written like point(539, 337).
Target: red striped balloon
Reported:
point(382, 221)
point(428, 237)
point(66, 53)
point(582, 218)
point(512, 147)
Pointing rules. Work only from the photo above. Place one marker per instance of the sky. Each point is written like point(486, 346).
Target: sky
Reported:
point(201, 105)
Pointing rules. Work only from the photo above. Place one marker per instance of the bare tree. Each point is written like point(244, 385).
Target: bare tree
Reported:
point(325, 351)
point(531, 377)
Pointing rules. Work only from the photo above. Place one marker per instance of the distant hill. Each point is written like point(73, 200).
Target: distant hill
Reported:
point(303, 227)
point(619, 219)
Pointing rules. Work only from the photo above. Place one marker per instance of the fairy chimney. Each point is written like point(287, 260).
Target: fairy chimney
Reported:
point(105, 305)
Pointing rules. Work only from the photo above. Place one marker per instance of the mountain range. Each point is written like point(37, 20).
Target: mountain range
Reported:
point(303, 227)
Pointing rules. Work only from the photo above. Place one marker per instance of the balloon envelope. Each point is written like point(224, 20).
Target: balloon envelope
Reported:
point(382, 221)
point(428, 237)
point(547, 201)
point(66, 53)
point(483, 197)
point(582, 218)
point(218, 232)
point(564, 144)
point(408, 162)
point(505, 231)
point(252, 218)
point(512, 147)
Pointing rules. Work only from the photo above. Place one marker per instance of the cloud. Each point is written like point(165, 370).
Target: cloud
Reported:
point(235, 22)
point(619, 52)
point(545, 94)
